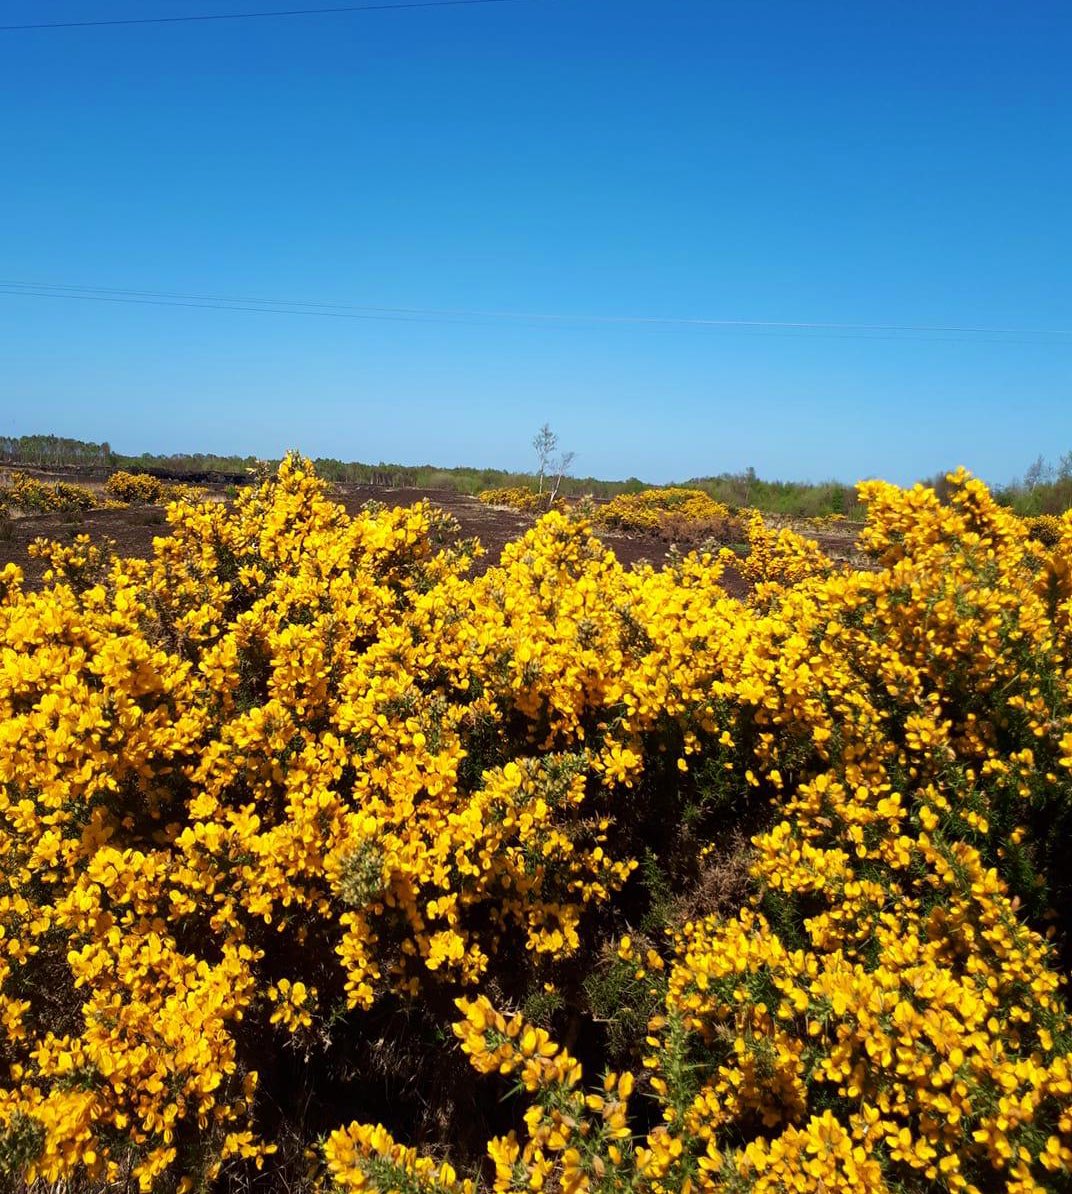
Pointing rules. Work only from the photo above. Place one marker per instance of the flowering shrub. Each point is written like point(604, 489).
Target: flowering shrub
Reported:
point(143, 489)
point(515, 497)
point(295, 804)
point(777, 559)
point(518, 498)
point(135, 488)
point(30, 496)
point(672, 513)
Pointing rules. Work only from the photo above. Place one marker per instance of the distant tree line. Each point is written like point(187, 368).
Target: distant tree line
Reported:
point(462, 479)
point(190, 466)
point(54, 450)
point(734, 489)
point(799, 499)
point(1045, 488)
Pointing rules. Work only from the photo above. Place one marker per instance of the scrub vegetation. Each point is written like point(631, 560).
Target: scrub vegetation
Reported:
point(333, 862)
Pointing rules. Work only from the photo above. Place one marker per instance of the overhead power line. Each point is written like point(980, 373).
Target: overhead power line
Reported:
point(248, 16)
point(207, 306)
point(273, 306)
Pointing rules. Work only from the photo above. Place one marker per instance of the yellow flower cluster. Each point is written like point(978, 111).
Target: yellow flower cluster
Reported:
point(1046, 528)
point(881, 1016)
point(142, 489)
point(134, 488)
point(289, 736)
point(31, 496)
point(516, 497)
point(301, 767)
point(574, 1141)
point(665, 512)
point(777, 559)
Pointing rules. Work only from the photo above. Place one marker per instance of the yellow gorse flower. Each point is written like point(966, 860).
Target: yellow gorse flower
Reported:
point(663, 511)
point(300, 766)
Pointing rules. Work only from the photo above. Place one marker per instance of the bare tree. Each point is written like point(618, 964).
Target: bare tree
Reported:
point(561, 469)
point(552, 463)
point(545, 442)
point(1038, 473)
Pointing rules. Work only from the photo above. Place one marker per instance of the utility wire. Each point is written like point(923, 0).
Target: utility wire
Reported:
point(246, 16)
point(205, 304)
point(561, 323)
point(13, 288)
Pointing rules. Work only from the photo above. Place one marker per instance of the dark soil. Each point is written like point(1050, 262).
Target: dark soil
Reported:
point(132, 530)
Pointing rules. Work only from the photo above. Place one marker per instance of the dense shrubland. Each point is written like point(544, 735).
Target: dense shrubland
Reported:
point(330, 865)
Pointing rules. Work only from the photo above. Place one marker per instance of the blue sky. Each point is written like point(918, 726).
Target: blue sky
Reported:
point(838, 163)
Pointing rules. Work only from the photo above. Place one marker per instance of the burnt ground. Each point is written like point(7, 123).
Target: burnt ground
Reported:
point(133, 529)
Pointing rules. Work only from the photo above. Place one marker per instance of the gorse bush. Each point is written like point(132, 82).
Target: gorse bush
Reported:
point(673, 513)
point(516, 497)
point(143, 489)
point(316, 847)
point(135, 488)
point(28, 495)
point(776, 559)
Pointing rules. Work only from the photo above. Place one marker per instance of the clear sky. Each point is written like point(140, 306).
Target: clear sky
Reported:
point(900, 164)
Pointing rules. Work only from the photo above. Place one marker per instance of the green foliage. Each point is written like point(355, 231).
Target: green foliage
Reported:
point(53, 450)
point(20, 1142)
point(795, 499)
point(541, 1007)
point(1045, 488)
point(622, 1001)
point(361, 875)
